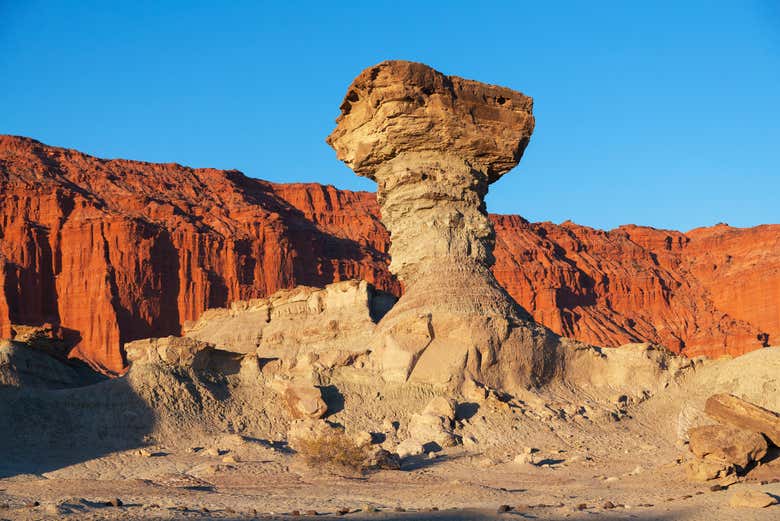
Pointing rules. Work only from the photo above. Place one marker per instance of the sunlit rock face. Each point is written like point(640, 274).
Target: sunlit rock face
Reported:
point(433, 144)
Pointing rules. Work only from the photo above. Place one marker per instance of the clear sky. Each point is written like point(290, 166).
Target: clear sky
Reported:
point(658, 113)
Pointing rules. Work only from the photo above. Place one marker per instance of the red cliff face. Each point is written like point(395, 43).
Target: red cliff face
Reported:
point(641, 284)
point(113, 250)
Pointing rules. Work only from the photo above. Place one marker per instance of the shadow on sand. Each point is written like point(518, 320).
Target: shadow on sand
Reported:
point(42, 430)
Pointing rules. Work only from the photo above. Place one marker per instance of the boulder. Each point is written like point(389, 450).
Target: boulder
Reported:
point(706, 470)
point(409, 448)
point(303, 400)
point(728, 444)
point(752, 499)
point(441, 406)
point(434, 424)
point(729, 409)
point(525, 458)
point(430, 428)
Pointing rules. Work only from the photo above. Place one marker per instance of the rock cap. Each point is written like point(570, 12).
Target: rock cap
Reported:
point(400, 106)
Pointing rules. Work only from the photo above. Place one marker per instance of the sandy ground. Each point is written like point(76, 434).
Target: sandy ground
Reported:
point(643, 481)
point(202, 455)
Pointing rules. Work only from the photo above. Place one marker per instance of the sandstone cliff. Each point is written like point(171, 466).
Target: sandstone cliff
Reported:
point(113, 250)
point(711, 291)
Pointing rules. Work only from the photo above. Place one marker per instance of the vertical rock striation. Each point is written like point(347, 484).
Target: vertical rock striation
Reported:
point(434, 144)
point(110, 251)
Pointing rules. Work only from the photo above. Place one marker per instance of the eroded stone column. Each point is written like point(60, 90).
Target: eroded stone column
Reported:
point(434, 143)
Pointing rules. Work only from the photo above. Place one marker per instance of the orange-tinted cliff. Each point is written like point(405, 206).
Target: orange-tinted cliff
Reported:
point(711, 292)
point(115, 250)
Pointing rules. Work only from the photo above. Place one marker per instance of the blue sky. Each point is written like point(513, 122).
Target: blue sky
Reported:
point(658, 113)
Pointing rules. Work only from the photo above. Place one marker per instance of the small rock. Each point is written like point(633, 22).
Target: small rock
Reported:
point(295, 513)
point(429, 427)
point(311, 513)
point(752, 499)
point(526, 458)
point(362, 438)
point(504, 508)
point(441, 406)
point(611, 479)
point(408, 448)
point(212, 451)
point(609, 505)
point(343, 511)
point(230, 458)
point(389, 426)
point(144, 453)
point(717, 487)
point(399, 509)
point(115, 502)
point(368, 508)
point(582, 506)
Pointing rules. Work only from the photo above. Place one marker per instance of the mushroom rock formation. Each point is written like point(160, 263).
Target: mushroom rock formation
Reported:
point(434, 143)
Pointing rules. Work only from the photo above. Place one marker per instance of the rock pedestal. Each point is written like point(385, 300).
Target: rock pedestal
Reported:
point(434, 143)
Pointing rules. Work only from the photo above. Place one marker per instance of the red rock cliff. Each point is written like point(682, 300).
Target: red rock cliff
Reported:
point(113, 250)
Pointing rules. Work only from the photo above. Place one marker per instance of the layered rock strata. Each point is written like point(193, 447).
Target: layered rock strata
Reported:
point(433, 144)
point(301, 329)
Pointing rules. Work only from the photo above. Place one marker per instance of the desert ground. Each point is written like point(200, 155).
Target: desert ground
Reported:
point(619, 460)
